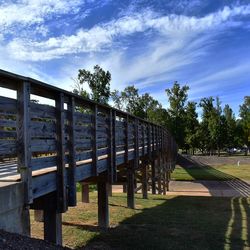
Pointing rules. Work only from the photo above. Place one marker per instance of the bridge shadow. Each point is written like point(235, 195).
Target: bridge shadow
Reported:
point(229, 183)
point(180, 223)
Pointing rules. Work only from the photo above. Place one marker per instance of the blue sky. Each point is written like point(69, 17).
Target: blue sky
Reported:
point(149, 43)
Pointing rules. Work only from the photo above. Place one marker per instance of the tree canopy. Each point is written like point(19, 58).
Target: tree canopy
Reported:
point(98, 82)
point(216, 129)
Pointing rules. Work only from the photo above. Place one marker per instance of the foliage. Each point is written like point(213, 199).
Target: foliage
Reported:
point(245, 120)
point(218, 128)
point(191, 126)
point(98, 82)
point(177, 96)
point(143, 106)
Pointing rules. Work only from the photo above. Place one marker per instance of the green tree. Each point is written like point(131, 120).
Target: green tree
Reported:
point(192, 127)
point(177, 97)
point(231, 133)
point(204, 134)
point(244, 113)
point(98, 82)
point(131, 101)
point(216, 127)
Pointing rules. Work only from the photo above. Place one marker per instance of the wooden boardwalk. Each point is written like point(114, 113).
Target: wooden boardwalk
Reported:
point(50, 147)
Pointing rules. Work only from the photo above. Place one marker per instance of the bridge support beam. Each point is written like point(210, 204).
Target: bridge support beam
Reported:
point(164, 182)
point(103, 206)
point(168, 179)
point(85, 192)
point(130, 188)
point(53, 226)
point(145, 180)
point(153, 177)
point(124, 188)
point(110, 189)
point(159, 175)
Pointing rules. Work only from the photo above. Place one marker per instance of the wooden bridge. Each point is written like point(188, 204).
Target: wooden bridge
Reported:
point(50, 147)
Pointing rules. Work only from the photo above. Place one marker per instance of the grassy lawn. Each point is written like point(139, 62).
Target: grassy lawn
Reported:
point(223, 172)
point(161, 222)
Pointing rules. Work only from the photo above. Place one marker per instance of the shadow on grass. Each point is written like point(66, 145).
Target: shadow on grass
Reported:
point(230, 182)
point(90, 228)
point(182, 223)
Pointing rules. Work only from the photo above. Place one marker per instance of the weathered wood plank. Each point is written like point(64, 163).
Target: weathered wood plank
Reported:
point(8, 147)
point(103, 209)
point(42, 111)
point(81, 118)
point(4, 134)
point(60, 148)
point(23, 139)
point(43, 129)
point(72, 155)
point(94, 142)
point(8, 123)
point(114, 145)
point(130, 187)
point(43, 162)
point(46, 145)
point(110, 149)
point(83, 155)
point(8, 104)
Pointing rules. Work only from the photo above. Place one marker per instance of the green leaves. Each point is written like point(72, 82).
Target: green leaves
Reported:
point(98, 82)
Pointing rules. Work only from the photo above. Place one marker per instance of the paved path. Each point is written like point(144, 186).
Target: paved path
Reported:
point(231, 188)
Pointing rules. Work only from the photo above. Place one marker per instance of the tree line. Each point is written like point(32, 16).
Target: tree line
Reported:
point(216, 129)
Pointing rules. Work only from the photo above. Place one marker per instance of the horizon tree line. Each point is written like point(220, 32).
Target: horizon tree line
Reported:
point(217, 130)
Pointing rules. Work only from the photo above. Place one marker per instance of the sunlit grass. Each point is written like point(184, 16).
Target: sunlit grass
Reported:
point(223, 172)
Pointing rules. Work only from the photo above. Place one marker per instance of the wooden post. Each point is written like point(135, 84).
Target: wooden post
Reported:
point(168, 179)
point(164, 182)
point(23, 139)
point(94, 144)
point(124, 188)
point(111, 152)
point(159, 175)
point(60, 133)
point(103, 208)
point(114, 146)
point(153, 176)
point(144, 180)
point(135, 184)
point(85, 192)
point(110, 189)
point(53, 226)
point(130, 187)
point(72, 200)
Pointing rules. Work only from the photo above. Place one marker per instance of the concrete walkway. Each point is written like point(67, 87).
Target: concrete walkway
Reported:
point(231, 188)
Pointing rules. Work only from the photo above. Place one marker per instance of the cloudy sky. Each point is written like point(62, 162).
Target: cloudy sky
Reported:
point(149, 43)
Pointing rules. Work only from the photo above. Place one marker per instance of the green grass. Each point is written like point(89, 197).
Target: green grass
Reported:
point(161, 222)
point(223, 172)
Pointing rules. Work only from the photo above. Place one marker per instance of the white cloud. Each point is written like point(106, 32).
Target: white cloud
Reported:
point(28, 12)
point(178, 28)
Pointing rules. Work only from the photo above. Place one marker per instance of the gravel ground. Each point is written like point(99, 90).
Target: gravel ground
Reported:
point(11, 241)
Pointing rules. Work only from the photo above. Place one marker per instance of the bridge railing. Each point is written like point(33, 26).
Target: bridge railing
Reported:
point(69, 138)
